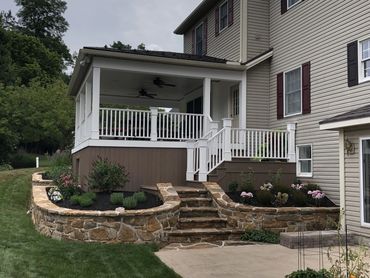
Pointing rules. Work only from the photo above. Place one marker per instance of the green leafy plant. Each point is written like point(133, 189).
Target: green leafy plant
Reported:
point(311, 187)
point(85, 200)
point(281, 199)
point(299, 198)
point(140, 197)
point(310, 273)
point(60, 159)
point(261, 236)
point(233, 187)
point(22, 159)
point(129, 202)
point(282, 188)
point(106, 175)
point(116, 198)
point(264, 198)
point(247, 183)
point(276, 178)
point(5, 167)
point(75, 199)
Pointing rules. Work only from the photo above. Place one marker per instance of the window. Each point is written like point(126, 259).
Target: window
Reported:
point(292, 3)
point(304, 161)
point(365, 180)
point(223, 16)
point(293, 92)
point(234, 97)
point(364, 60)
point(199, 40)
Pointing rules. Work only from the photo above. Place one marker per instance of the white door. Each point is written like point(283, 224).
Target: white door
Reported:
point(237, 136)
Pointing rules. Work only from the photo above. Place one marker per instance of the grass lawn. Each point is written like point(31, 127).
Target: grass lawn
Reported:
point(25, 253)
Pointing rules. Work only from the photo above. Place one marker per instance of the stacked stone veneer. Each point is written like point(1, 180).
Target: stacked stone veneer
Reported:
point(135, 226)
point(284, 219)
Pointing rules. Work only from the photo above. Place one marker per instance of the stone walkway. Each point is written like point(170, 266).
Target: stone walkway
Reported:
point(257, 261)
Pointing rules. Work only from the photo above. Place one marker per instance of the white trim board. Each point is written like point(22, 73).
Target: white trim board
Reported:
point(363, 223)
point(129, 144)
point(343, 124)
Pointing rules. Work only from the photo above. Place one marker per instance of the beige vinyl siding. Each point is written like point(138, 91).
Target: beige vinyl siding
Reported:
point(319, 31)
point(258, 90)
point(227, 44)
point(352, 182)
point(258, 27)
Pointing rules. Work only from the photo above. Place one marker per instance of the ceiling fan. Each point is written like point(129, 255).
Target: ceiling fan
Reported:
point(160, 83)
point(144, 93)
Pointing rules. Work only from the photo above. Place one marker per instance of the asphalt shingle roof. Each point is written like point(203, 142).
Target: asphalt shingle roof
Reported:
point(359, 113)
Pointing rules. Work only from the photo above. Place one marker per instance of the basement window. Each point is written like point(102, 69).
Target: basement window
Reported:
point(304, 161)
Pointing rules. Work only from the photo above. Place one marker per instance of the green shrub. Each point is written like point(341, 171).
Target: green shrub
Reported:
point(22, 159)
point(116, 198)
point(75, 199)
point(265, 198)
point(282, 188)
point(59, 159)
point(281, 199)
point(247, 183)
point(55, 172)
point(5, 167)
point(310, 273)
point(276, 178)
point(233, 187)
point(140, 197)
point(91, 195)
point(311, 187)
point(85, 200)
point(129, 202)
point(106, 175)
point(261, 236)
point(299, 198)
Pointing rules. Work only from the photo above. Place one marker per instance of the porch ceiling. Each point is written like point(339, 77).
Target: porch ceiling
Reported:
point(128, 84)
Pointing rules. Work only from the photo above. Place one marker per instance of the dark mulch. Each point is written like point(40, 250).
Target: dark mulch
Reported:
point(325, 202)
point(103, 202)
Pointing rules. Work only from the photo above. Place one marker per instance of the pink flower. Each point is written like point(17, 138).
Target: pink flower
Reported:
point(316, 194)
point(246, 195)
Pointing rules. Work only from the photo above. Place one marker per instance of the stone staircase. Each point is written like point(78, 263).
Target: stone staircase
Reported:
point(199, 220)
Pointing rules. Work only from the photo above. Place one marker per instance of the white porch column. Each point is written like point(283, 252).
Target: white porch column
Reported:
point(153, 129)
point(88, 99)
point(342, 183)
point(190, 161)
point(203, 169)
point(206, 102)
point(227, 123)
point(77, 120)
point(95, 115)
point(291, 142)
point(243, 102)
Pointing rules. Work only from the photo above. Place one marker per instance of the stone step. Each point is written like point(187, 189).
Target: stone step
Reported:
point(203, 235)
point(201, 222)
point(196, 202)
point(198, 212)
point(192, 192)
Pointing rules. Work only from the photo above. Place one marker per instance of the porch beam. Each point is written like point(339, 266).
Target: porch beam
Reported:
point(206, 102)
point(243, 102)
point(95, 103)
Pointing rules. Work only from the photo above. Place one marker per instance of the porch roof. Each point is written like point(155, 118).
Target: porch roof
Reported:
point(161, 57)
point(359, 116)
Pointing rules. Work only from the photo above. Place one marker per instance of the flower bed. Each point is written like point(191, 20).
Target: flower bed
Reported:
point(111, 226)
point(281, 219)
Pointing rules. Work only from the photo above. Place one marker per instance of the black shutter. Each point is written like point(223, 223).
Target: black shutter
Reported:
point(352, 60)
point(306, 88)
point(230, 16)
point(205, 36)
point(280, 96)
point(284, 6)
point(217, 21)
point(193, 41)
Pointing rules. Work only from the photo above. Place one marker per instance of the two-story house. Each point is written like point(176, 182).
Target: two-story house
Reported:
point(255, 80)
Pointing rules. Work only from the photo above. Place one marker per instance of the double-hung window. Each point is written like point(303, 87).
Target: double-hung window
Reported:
point(199, 40)
point(293, 92)
point(304, 161)
point(364, 63)
point(223, 16)
point(292, 3)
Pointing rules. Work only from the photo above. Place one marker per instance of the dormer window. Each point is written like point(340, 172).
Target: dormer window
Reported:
point(199, 40)
point(223, 16)
point(292, 3)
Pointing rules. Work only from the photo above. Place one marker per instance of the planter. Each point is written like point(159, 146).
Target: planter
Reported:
point(282, 219)
point(134, 226)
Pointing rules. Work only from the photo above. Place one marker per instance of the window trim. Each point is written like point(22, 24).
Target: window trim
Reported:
point(301, 111)
point(361, 79)
point(363, 223)
point(299, 174)
point(200, 25)
point(291, 6)
point(227, 16)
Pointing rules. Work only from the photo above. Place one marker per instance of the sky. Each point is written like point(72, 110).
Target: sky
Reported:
point(100, 22)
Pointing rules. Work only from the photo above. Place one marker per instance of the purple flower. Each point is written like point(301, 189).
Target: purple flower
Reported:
point(316, 194)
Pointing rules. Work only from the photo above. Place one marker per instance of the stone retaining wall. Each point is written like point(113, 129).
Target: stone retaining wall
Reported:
point(284, 219)
point(135, 226)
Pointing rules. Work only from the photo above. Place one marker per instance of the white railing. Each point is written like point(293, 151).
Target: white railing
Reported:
point(216, 150)
point(259, 143)
point(180, 126)
point(125, 123)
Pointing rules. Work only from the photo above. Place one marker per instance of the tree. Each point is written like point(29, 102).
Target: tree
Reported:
point(120, 46)
point(44, 20)
point(141, 46)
